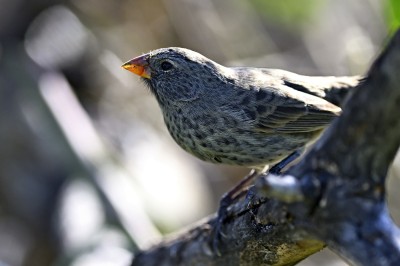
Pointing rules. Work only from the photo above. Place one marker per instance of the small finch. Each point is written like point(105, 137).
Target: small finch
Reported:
point(242, 116)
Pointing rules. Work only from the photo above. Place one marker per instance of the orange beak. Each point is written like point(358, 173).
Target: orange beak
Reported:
point(139, 65)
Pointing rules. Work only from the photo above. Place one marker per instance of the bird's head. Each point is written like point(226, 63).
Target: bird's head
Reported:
point(178, 75)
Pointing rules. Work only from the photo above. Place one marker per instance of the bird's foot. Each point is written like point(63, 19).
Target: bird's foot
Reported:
point(227, 200)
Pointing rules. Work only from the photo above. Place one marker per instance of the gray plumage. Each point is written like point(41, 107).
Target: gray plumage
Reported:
point(240, 116)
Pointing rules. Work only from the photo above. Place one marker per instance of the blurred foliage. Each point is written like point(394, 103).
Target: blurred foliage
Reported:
point(289, 13)
point(392, 10)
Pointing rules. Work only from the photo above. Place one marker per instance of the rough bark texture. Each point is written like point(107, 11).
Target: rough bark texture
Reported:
point(334, 196)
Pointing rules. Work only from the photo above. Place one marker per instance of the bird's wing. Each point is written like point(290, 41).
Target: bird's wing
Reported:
point(330, 88)
point(270, 105)
point(293, 111)
point(294, 119)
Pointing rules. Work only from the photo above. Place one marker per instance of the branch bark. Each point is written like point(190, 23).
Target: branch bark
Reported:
point(334, 196)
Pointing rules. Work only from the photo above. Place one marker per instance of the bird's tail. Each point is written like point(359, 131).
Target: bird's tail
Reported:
point(339, 90)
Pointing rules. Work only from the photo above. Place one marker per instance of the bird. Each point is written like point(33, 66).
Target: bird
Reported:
point(240, 116)
point(243, 116)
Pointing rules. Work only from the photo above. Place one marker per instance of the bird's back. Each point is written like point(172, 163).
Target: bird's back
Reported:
point(330, 88)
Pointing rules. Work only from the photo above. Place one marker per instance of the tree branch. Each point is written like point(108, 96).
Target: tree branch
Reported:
point(334, 195)
point(343, 177)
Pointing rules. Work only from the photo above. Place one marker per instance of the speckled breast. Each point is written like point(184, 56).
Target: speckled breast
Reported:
point(210, 139)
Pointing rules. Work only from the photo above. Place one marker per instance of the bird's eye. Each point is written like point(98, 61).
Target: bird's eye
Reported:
point(166, 66)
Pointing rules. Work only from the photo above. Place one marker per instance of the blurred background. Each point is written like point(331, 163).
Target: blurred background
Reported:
point(88, 172)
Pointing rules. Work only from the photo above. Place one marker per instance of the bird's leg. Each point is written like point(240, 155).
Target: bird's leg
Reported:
point(277, 168)
point(235, 192)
